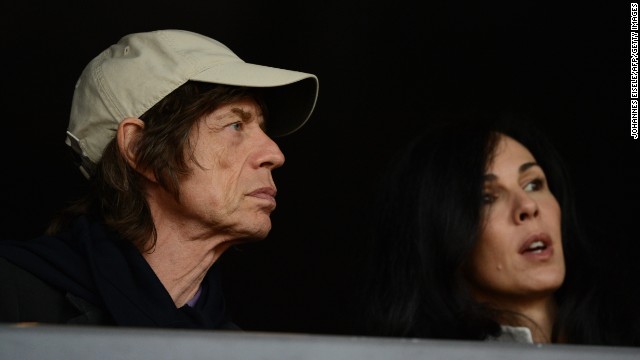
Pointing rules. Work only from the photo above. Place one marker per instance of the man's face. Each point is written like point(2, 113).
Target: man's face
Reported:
point(230, 190)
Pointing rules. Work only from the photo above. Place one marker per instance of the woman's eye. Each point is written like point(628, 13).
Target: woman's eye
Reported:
point(236, 126)
point(534, 185)
point(488, 198)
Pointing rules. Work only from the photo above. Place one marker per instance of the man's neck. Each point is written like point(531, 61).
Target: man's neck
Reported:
point(181, 261)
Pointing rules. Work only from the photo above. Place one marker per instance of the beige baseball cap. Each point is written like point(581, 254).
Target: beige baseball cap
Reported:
point(134, 74)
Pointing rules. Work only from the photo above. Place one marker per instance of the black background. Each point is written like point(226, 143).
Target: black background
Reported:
point(385, 69)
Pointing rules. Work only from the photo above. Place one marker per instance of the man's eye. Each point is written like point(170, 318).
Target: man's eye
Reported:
point(236, 126)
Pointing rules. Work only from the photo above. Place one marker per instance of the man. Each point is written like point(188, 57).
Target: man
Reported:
point(174, 132)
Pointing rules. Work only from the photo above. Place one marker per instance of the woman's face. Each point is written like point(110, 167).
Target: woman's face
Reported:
point(518, 255)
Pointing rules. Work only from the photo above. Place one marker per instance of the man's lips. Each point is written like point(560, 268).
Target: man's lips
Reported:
point(267, 193)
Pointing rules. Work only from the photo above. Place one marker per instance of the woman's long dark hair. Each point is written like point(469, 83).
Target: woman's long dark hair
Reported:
point(427, 220)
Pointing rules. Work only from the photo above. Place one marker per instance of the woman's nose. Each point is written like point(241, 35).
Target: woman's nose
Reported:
point(526, 208)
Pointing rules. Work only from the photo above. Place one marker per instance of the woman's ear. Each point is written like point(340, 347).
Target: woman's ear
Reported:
point(129, 131)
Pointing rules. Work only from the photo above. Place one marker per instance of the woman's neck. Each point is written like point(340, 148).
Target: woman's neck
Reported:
point(538, 315)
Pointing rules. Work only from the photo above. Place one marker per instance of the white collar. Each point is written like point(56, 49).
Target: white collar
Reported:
point(518, 334)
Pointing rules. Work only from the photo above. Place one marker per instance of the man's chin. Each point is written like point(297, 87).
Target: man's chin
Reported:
point(256, 233)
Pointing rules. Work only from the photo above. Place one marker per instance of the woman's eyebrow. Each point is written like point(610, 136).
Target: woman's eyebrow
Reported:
point(524, 167)
point(490, 177)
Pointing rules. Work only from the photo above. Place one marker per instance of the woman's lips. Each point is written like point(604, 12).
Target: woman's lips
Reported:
point(537, 246)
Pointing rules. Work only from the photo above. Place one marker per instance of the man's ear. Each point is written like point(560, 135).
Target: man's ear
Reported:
point(129, 131)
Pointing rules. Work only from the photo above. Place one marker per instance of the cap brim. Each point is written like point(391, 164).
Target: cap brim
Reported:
point(290, 95)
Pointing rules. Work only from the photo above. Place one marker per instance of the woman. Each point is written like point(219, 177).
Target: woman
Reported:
point(475, 237)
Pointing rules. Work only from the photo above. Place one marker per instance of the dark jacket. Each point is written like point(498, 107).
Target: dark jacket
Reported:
point(89, 275)
point(26, 298)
